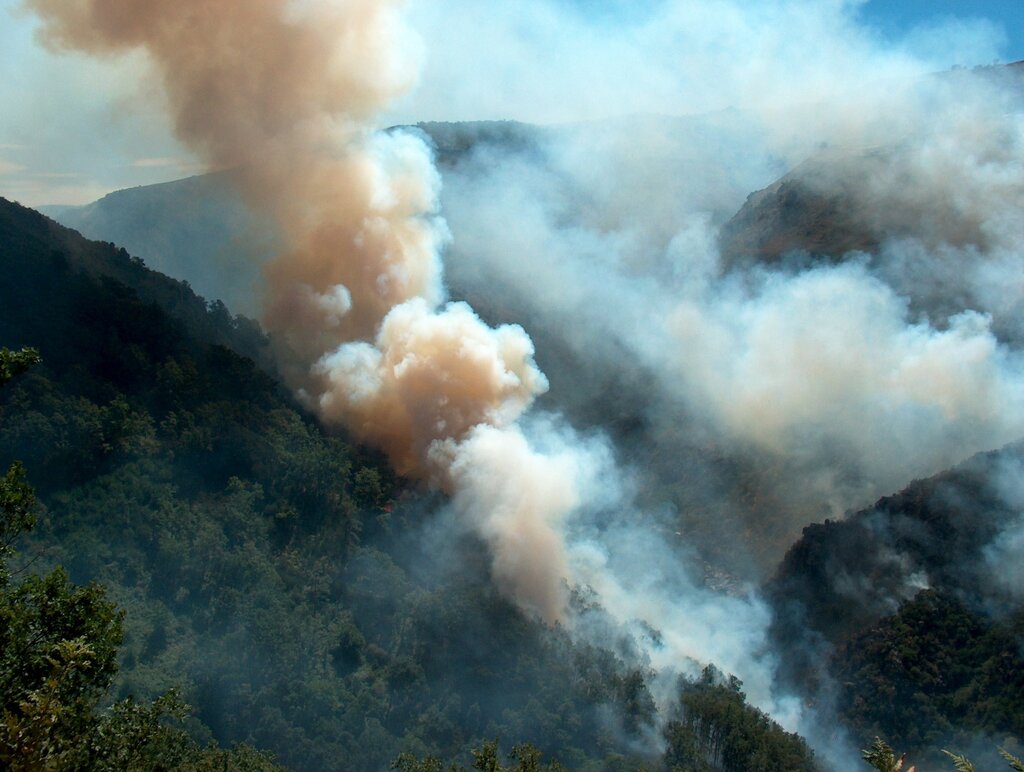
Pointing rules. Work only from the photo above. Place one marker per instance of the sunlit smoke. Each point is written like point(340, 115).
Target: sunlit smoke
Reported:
point(518, 498)
point(429, 375)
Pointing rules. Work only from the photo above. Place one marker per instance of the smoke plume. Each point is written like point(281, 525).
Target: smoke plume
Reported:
point(843, 378)
point(286, 93)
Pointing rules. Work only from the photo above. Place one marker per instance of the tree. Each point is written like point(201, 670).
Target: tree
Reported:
point(58, 655)
point(17, 501)
point(961, 762)
point(883, 758)
point(486, 758)
point(1015, 764)
point(58, 642)
point(716, 729)
point(14, 363)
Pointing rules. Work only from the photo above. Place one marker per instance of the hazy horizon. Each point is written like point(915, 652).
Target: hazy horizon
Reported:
point(76, 128)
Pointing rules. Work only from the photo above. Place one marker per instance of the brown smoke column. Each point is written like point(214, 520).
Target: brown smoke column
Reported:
point(285, 93)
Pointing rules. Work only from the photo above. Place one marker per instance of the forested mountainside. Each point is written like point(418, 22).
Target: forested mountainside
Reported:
point(585, 197)
point(910, 611)
point(280, 576)
point(879, 273)
point(37, 251)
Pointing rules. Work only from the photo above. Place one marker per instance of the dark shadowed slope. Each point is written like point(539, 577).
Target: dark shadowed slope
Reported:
point(808, 210)
point(37, 253)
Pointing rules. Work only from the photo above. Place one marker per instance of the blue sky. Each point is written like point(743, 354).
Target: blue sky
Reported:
point(898, 18)
point(894, 18)
point(72, 129)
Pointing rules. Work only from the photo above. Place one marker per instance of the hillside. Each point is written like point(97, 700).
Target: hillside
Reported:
point(900, 619)
point(812, 209)
point(906, 616)
point(302, 598)
point(850, 199)
point(211, 239)
point(37, 250)
point(716, 491)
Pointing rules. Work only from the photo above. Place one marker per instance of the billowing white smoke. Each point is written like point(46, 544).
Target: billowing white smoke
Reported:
point(830, 356)
point(850, 372)
point(441, 392)
point(429, 375)
point(517, 500)
point(859, 376)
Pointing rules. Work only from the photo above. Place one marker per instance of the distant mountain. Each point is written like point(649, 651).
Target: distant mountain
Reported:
point(810, 209)
point(37, 253)
point(838, 202)
point(199, 229)
point(452, 142)
point(842, 200)
point(196, 229)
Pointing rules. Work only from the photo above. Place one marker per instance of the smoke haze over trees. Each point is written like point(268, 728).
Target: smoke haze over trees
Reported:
point(543, 417)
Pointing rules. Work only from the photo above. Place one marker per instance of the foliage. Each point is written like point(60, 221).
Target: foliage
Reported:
point(272, 569)
point(881, 757)
point(486, 758)
point(58, 647)
point(944, 668)
point(718, 731)
point(14, 363)
point(300, 595)
point(960, 762)
point(17, 503)
point(935, 673)
point(1012, 760)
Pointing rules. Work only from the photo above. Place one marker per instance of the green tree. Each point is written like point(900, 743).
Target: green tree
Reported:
point(883, 758)
point(960, 762)
point(14, 363)
point(58, 655)
point(1015, 764)
point(486, 758)
point(716, 729)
